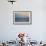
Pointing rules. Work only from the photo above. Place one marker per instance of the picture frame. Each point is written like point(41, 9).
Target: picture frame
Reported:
point(22, 17)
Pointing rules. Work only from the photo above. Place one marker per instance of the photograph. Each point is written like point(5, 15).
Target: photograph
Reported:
point(22, 17)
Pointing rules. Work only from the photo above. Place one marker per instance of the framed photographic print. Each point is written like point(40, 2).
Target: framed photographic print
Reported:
point(22, 17)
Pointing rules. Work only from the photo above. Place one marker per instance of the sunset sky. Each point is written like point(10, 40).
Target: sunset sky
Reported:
point(25, 13)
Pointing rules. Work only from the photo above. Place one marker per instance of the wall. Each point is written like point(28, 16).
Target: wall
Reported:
point(9, 31)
